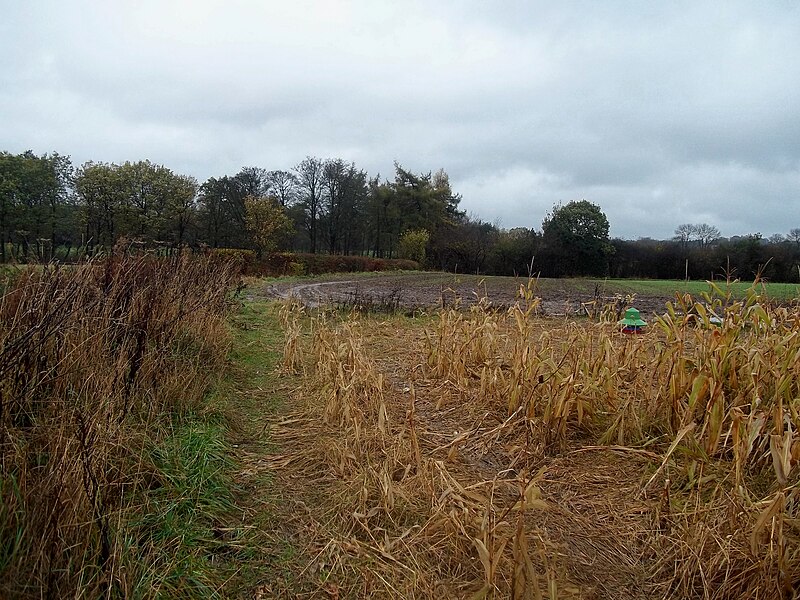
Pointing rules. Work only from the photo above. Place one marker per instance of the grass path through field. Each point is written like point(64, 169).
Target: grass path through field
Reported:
point(256, 394)
point(283, 535)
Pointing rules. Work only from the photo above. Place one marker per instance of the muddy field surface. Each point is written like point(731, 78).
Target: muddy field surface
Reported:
point(432, 290)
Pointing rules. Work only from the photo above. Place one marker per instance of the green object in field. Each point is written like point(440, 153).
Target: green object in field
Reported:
point(632, 323)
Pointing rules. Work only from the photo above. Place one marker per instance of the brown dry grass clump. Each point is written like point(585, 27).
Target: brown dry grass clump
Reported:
point(496, 453)
point(94, 362)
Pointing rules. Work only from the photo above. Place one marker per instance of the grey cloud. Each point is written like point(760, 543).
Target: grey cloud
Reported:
point(660, 113)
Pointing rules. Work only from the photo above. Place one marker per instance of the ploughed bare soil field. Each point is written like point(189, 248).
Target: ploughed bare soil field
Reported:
point(435, 290)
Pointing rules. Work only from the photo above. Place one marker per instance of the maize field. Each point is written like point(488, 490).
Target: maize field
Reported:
point(496, 453)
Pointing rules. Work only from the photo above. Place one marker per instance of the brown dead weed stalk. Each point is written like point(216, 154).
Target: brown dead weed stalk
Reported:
point(94, 360)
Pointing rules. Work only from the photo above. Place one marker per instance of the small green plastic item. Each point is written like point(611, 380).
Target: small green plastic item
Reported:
point(632, 323)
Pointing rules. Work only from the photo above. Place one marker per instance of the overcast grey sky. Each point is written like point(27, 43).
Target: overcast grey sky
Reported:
point(661, 113)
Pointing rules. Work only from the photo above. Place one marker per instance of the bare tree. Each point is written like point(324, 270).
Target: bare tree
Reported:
point(776, 238)
point(684, 233)
point(706, 233)
point(283, 186)
point(309, 177)
point(345, 190)
point(333, 175)
point(794, 236)
point(252, 181)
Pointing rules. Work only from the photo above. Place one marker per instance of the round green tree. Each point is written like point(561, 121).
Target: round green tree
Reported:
point(576, 239)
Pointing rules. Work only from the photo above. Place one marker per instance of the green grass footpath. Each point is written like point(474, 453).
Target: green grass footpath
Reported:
point(209, 529)
point(256, 392)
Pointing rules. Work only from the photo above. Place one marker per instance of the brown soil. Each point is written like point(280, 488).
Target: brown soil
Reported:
point(567, 297)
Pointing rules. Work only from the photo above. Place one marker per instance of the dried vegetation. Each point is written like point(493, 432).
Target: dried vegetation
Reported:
point(97, 364)
point(494, 453)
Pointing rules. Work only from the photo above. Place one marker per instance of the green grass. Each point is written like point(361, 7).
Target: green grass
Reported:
point(255, 392)
point(665, 287)
point(776, 291)
point(205, 527)
point(187, 531)
point(255, 356)
point(657, 287)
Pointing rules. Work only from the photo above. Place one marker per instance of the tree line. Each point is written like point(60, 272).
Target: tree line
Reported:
point(321, 206)
point(50, 209)
point(776, 258)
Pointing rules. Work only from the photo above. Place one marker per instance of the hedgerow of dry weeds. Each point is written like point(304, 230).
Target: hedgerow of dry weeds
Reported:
point(94, 360)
